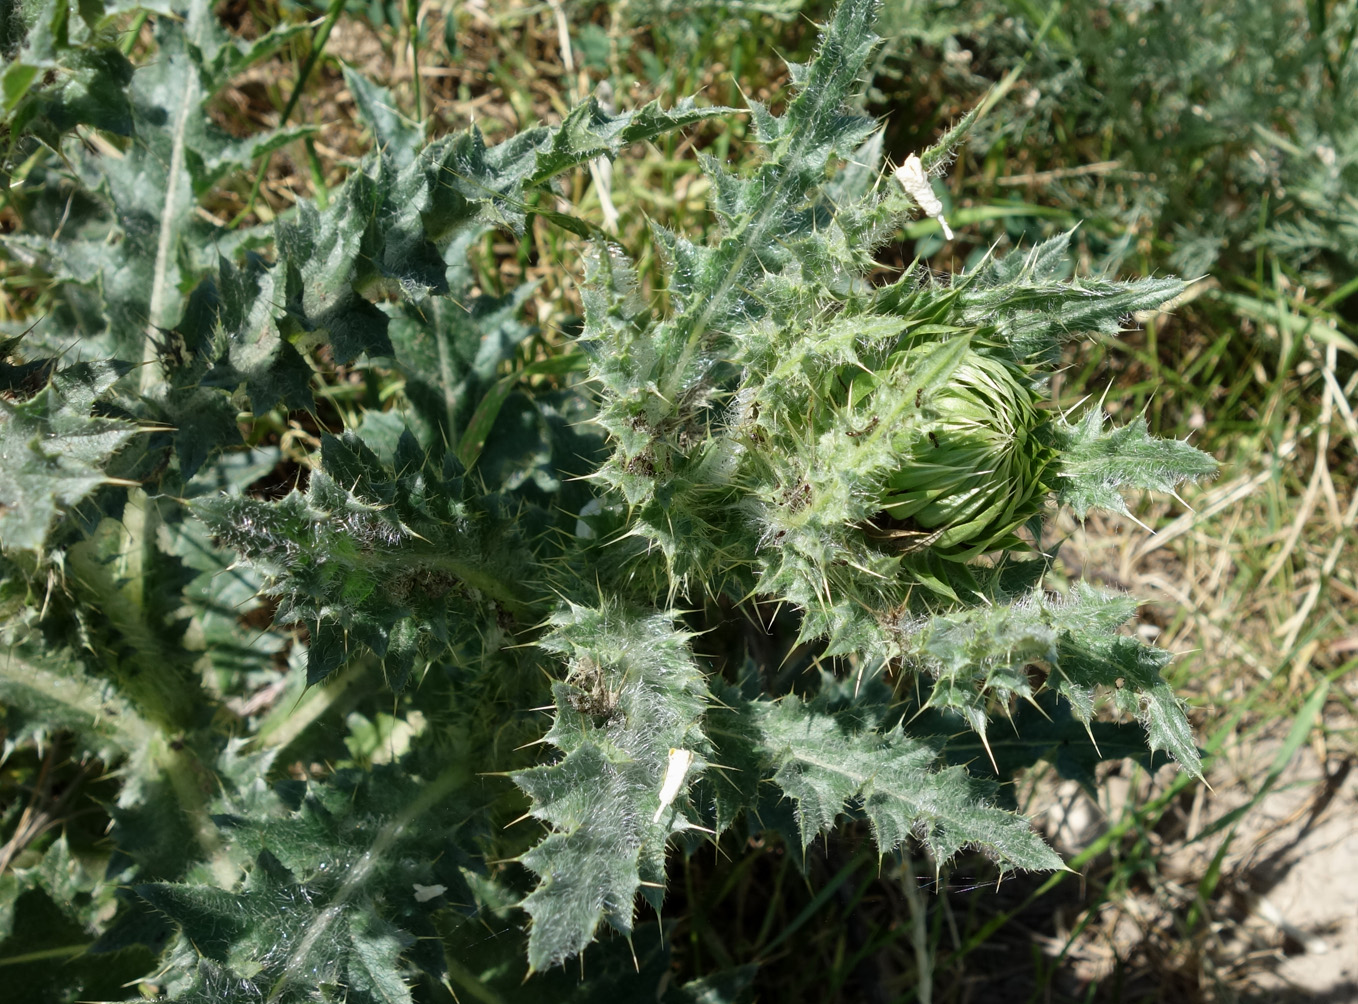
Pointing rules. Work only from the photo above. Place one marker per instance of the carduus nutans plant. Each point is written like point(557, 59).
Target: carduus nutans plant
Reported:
point(880, 457)
point(769, 558)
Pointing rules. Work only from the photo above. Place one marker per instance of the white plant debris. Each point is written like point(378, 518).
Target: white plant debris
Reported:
point(915, 181)
point(675, 772)
point(424, 893)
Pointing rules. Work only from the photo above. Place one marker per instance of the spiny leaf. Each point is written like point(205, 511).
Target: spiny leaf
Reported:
point(396, 137)
point(367, 552)
point(632, 694)
point(983, 654)
point(827, 763)
point(44, 692)
point(1044, 728)
point(1098, 464)
point(50, 85)
point(53, 451)
point(590, 131)
point(311, 860)
point(451, 348)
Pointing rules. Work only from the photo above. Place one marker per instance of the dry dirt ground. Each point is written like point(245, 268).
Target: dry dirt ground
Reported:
point(1268, 854)
point(1283, 917)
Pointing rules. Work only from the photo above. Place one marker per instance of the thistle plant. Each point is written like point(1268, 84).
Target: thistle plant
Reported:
point(877, 460)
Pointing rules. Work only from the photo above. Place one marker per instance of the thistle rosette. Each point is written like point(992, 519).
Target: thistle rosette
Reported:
point(979, 458)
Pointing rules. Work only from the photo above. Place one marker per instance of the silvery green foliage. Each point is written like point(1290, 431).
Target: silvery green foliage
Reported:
point(53, 450)
point(875, 458)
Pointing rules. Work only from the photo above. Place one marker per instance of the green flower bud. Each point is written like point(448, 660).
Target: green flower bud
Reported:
point(978, 459)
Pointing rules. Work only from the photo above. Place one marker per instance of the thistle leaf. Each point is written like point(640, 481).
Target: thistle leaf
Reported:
point(299, 919)
point(54, 451)
point(366, 552)
point(1044, 728)
point(633, 693)
point(1098, 464)
point(833, 761)
point(983, 654)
